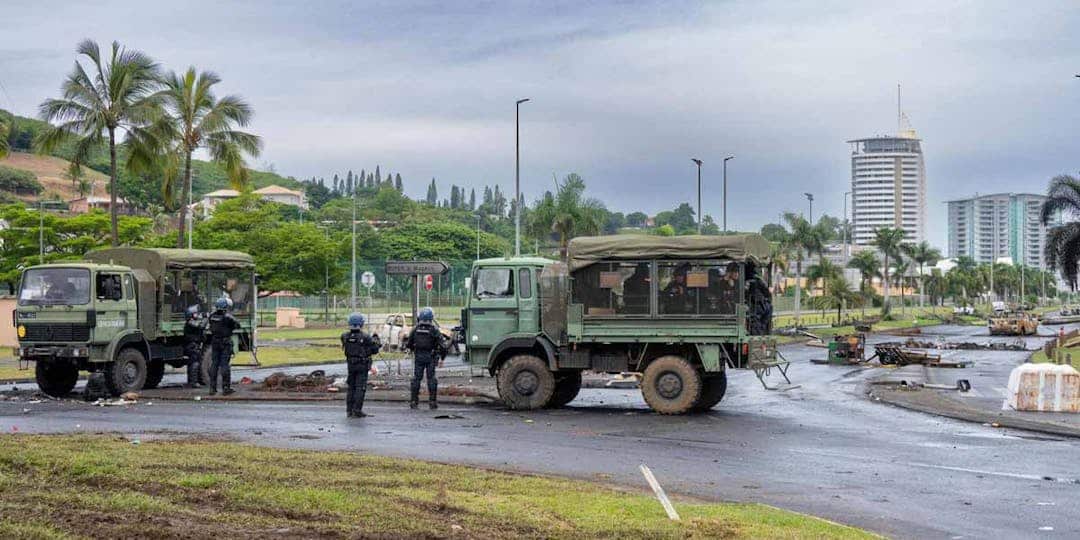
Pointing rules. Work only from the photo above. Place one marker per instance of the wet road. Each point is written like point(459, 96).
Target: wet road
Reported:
point(822, 449)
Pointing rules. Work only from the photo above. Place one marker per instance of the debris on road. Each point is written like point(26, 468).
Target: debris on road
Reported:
point(449, 417)
point(891, 355)
point(912, 343)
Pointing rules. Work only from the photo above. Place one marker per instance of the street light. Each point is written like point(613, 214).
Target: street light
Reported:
point(517, 176)
point(847, 227)
point(725, 190)
point(810, 197)
point(698, 162)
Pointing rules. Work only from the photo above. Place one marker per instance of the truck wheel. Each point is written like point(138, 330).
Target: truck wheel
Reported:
point(155, 371)
point(127, 373)
point(525, 382)
point(712, 391)
point(56, 380)
point(671, 385)
point(567, 386)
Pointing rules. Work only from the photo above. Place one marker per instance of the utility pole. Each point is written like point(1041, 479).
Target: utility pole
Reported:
point(352, 291)
point(517, 176)
point(847, 234)
point(729, 158)
point(698, 162)
point(41, 231)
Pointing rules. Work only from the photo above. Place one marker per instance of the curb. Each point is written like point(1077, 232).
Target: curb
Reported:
point(968, 414)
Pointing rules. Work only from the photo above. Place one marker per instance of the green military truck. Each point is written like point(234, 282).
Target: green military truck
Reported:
point(679, 311)
point(121, 312)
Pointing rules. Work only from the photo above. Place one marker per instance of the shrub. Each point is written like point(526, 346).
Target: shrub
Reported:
point(19, 181)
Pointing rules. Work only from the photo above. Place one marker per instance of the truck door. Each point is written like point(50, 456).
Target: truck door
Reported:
point(527, 310)
point(113, 310)
point(493, 310)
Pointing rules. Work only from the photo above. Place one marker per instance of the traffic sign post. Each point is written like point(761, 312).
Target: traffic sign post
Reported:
point(415, 269)
point(428, 282)
point(367, 280)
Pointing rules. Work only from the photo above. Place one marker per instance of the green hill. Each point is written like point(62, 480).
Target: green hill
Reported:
point(206, 176)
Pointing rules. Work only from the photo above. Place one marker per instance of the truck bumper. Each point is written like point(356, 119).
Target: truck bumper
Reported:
point(45, 352)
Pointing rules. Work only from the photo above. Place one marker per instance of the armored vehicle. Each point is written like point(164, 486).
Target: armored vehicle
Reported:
point(1013, 323)
point(121, 312)
point(678, 311)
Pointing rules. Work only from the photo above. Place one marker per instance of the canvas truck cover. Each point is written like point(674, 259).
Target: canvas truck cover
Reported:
point(156, 260)
point(586, 250)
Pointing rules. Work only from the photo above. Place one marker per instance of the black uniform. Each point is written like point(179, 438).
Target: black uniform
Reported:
point(359, 348)
point(759, 316)
point(222, 325)
point(194, 337)
point(428, 346)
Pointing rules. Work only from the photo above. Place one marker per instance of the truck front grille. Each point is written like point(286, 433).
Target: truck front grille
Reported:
point(57, 332)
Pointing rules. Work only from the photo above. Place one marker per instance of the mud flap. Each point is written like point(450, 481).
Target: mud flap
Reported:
point(710, 356)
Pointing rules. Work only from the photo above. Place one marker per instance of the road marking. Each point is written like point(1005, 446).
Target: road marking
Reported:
point(1019, 476)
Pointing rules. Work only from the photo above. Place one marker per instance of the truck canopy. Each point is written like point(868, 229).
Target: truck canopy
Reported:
point(156, 260)
point(586, 250)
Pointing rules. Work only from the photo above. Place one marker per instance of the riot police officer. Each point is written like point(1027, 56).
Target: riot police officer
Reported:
point(359, 348)
point(194, 336)
point(222, 325)
point(428, 346)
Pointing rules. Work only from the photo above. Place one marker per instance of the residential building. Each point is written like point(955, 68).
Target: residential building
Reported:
point(888, 187)
point(85, 204)
point(999, 226)
point(273, 193)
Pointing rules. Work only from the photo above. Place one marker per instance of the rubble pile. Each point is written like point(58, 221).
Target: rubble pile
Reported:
point(316, 381)
point(912, 343)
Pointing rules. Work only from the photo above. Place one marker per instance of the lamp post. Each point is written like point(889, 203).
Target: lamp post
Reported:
point(847, 226)
point(698, 162)
point(352, 290)
point(729, 158)
point(810, 197)
point(517, 176)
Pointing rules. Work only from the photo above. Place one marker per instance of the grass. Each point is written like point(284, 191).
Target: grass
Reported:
point(107, 487)
point(1039, 356)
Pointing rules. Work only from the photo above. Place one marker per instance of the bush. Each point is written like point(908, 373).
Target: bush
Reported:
point(19, 181)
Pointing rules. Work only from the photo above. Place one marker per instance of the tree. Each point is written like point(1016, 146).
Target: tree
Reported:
point(773, 232)
point(682, 219)
point(378, 177)
point(5, 148)
point(900, 271)
point(119, 97)
point(349, 183)
point(398, 185)
point(432, 194)
point(922, 254)
point(371, 180)
point(636, 219)
point(823, 271)
point(317, 194)
point(837, 293)
point(472, 200)
point(567, 212)
point(455, 197)
point(804, 240)
point(888, 240)
point(1062, 251)
point(869, 267)
point(197, 119)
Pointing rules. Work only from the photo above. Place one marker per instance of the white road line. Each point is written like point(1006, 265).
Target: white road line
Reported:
point(1019, 476)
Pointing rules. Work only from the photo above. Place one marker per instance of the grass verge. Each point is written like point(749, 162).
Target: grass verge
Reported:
point(106, 487)
point(1039, 356)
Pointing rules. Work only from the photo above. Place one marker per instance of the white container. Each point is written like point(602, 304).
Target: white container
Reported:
point(1044, 388)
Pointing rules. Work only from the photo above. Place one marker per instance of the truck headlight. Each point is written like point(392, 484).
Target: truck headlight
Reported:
point(22, 331)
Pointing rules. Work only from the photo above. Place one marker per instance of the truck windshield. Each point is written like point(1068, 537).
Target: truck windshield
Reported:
point(55, 286)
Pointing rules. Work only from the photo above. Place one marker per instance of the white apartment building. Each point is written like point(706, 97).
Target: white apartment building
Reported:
point(999, 226)
point(888, 187)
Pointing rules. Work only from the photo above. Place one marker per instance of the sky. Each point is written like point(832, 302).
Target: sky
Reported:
point(622, 93)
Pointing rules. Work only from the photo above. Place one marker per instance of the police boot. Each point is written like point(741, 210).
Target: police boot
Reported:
point(213, 391)
point(432, 403)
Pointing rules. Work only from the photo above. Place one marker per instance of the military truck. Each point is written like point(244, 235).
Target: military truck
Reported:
point(679, 311)
point(1013, 323)
point(121, 312)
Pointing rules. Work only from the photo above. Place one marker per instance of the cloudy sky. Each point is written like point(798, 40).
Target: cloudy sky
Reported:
point(623, 93)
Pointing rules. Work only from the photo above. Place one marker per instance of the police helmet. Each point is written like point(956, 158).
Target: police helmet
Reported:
point(192, 311)
point(356, 320)
point(222, 303)
point(426, 314)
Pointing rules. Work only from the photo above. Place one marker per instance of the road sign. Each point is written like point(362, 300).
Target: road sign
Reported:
point(367, 279)
point(412, 268)
point(428, 282)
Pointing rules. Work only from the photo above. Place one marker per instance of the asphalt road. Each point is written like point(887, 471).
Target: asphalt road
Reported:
point(823, 448)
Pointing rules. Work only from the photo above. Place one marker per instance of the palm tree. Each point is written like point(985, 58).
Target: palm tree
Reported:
point(869, 267)
point(4, 147)
point(900, 270)
point(837, 293)
point(779, 255)
point(803, 238)
point(1063, 242)
point(567, 212)
point(824, 270)
point(888, 241)
point(923, 254)
point(117, 97)
point(196, 118)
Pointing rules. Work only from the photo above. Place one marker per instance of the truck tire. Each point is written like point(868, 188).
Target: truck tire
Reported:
point(525, 382)
point(155, 371)
point(56, 379)
point(712, 391)
point(671, 385)
point(567, 386)
point(127, 373)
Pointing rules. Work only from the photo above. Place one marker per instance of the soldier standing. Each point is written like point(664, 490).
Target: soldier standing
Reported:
point(194, 336)
point(222, 326)
point(359, 348)
point(428, 348)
